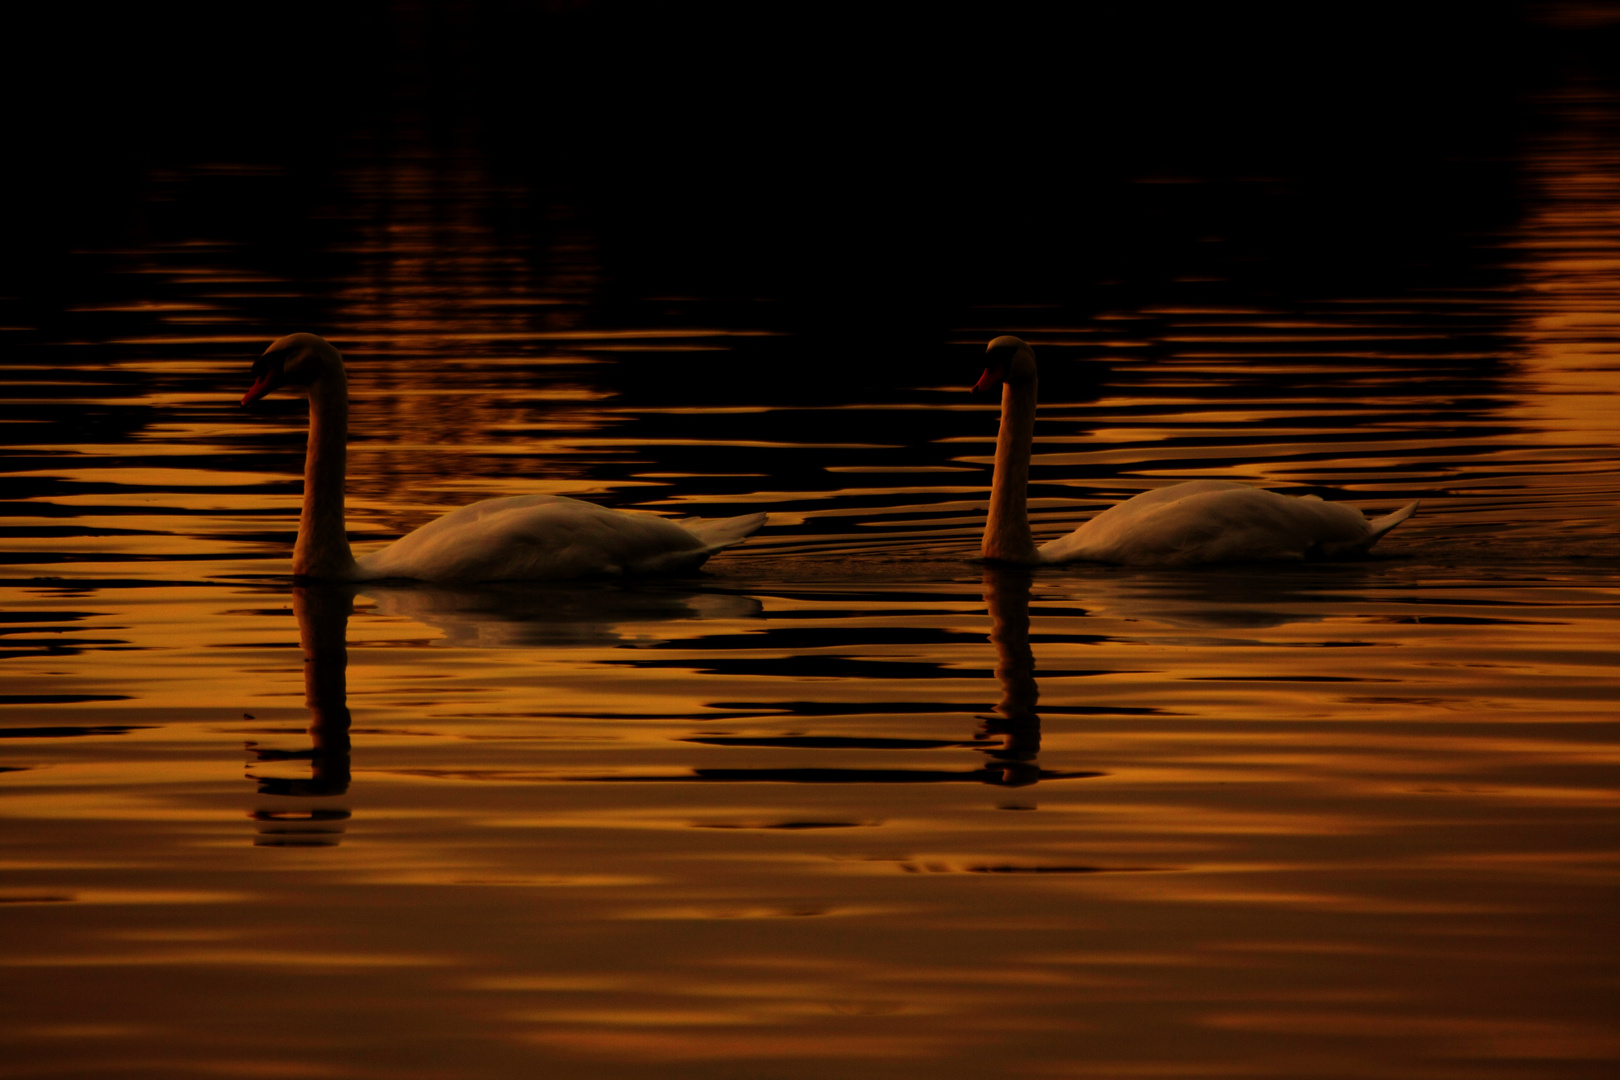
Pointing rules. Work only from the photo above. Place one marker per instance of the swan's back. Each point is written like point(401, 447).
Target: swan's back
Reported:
point(1209, 521)
point(550, 537)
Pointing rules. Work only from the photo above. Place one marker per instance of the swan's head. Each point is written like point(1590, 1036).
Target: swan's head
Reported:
point(1006, 360)
point(295, 360)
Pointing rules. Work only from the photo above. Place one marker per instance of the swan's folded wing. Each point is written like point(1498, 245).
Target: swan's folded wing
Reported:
point(541, 537)
point(1214, 521)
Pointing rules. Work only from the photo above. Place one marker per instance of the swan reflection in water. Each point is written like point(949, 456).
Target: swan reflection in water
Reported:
point(1014, 731)
point(508, 616)
point(518, 614)
point(528, 616)
point(1211, 604)
point(323, 620)
point(1010, 738)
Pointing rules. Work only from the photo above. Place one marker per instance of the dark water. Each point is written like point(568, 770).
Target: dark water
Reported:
point(848, 803)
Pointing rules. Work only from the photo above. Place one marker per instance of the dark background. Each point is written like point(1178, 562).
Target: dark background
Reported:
point(868, 170)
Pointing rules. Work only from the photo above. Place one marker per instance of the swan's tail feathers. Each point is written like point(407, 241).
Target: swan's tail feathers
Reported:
point(1358, 545)
point(717, 533)
point(1379, 526)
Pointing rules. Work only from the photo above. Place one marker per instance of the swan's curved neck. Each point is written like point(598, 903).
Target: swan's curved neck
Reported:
point(1006, 533)
point(322, 550)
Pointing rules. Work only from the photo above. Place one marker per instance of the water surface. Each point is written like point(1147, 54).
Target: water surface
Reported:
point(849, 803)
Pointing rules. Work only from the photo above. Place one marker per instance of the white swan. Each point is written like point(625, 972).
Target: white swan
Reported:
point(525, 537)
point(1201, 521)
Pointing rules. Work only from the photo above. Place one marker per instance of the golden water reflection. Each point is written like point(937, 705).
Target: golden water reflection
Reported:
point(1275, 812)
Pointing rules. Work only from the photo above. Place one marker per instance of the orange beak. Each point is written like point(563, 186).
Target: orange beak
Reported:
point(267, 375)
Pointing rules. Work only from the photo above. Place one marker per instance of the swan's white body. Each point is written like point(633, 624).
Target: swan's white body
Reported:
point(550, 537)
point(521, 538)
point(1205, 521)
point(1201, 521)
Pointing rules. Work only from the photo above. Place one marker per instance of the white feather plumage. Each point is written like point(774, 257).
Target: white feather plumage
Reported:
point(1200, 521)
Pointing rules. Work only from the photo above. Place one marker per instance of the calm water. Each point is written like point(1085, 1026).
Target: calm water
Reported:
point(848, 804)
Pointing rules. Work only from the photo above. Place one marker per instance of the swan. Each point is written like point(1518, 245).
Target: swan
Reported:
point(1201, 521)
point(524, 537)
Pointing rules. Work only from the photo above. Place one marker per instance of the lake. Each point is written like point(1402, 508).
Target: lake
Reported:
point(849, 802)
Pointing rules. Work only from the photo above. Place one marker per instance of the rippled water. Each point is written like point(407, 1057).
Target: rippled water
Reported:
point(848, 803)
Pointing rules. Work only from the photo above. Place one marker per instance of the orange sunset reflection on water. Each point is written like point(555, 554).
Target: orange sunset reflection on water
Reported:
point(849, 803)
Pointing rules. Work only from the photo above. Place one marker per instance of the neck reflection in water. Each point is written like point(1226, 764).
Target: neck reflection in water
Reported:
point(1014, 732)
point(323, 619)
